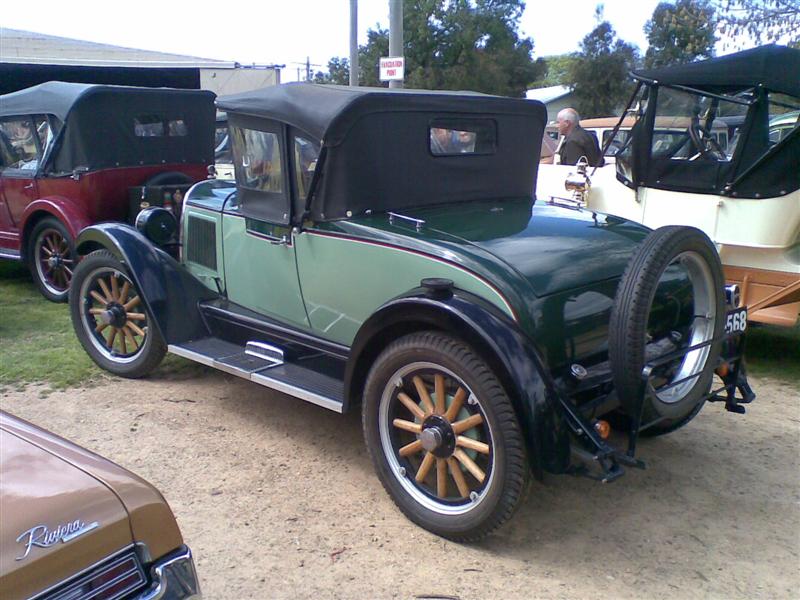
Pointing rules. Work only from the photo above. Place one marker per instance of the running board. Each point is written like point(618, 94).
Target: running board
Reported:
point(264, 364)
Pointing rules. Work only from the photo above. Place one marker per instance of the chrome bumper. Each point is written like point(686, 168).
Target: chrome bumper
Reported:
point(174, 578)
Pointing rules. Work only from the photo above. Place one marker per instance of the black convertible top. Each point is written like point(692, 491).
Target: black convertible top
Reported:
point(376, 145)
point(100, 124)
point(775, 67)
point(328, 111)
point(59, 97)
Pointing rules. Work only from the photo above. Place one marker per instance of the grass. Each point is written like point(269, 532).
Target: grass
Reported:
point(774, 352)
point(38, 344)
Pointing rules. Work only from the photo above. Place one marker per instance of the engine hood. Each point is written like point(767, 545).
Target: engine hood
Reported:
point(552, 248)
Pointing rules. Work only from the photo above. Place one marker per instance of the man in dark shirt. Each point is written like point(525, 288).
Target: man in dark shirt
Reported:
point(576, 141)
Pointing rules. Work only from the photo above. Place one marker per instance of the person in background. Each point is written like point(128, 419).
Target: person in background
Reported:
point(576, 141)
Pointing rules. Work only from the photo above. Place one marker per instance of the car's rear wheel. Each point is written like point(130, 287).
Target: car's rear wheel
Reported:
point(111, 320)
point(443, 436)
point(669, 299)
point(52, 259)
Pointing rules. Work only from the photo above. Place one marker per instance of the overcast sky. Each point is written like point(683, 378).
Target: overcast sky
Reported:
point(287, 31)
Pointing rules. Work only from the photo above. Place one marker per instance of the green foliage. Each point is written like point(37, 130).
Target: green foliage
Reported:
point(453, 44)
point(680, 33)
point(338, 72)
point(556, 70)
point(599, 73)
point(759, 21)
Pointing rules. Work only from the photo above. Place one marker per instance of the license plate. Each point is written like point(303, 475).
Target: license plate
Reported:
point(736, 321)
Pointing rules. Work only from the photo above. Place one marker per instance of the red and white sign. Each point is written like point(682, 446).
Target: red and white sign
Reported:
point(392, 68)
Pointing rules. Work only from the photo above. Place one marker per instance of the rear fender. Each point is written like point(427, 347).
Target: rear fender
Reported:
point(497, 339)
point(170, 293)
point(73, 217)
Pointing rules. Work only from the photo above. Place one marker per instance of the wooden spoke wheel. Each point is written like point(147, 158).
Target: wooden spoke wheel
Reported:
point(111, 320)
point(443, 436)
point(112, 310)
point(52, 259)
point(436, 438)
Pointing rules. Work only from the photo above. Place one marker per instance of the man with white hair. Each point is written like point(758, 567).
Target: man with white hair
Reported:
point(576, 141)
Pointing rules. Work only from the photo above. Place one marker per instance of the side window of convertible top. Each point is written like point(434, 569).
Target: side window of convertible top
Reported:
point(258, 160)
point(18, 142)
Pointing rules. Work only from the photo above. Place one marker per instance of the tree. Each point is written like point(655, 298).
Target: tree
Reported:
point(599, 75)
point(455, 44)
point(759, 21)
point(338, 72)
point(680, 33)
point(555, 71)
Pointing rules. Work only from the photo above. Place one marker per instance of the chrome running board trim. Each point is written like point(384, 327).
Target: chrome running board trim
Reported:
point(7, 254)
point(191, 355)
point(286, 388)
point(261, 367)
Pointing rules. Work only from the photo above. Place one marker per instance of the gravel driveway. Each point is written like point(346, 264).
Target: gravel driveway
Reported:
point(277, 499)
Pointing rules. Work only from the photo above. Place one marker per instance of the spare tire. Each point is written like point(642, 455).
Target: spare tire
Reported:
point(169, 178)
point(670, 297)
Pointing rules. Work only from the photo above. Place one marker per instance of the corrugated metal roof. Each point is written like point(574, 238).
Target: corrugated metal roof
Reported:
point(28, 47)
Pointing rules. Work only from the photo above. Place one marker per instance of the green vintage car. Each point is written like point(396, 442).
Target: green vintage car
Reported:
point(381, 250)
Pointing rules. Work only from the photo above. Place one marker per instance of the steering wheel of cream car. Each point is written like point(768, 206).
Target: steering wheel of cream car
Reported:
point(706, 144)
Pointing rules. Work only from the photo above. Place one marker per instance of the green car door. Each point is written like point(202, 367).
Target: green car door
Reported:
point(259, 254)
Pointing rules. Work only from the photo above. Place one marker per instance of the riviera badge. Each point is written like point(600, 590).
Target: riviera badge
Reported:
point(43, 537)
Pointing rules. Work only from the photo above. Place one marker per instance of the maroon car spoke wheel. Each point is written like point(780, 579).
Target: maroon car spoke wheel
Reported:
point(52, 258)
point(55, 260)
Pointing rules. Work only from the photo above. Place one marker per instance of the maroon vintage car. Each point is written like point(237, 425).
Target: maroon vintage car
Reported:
point(73, 154)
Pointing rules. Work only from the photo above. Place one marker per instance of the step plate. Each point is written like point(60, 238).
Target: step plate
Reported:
point(292, 379)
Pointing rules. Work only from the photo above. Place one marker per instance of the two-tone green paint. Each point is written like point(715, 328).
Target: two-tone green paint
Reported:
point(344, 280)
point(553, 270)
point(261, 271)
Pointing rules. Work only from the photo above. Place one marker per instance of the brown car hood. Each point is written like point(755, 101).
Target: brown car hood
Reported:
point(47, 483)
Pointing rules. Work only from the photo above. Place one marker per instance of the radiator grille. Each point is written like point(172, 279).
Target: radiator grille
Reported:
point(201, 243)
point(116, 578)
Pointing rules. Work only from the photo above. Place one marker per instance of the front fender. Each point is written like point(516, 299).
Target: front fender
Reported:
point(170, 293)
point(508, 352)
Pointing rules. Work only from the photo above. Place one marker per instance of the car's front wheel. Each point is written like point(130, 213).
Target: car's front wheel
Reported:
point(110, 319)
point(443, 436)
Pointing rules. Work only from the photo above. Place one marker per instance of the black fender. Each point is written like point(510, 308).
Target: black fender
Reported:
point(500, 342)
point(170, 293)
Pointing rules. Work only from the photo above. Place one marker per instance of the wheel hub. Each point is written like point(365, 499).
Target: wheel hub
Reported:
point(437, 436)
point(114, 315)
point(55, 261)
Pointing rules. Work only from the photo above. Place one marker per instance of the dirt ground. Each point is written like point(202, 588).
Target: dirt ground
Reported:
point(277, 499)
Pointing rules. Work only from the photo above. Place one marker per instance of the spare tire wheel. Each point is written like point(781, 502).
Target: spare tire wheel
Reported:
point(670, 297)
point(169, 178)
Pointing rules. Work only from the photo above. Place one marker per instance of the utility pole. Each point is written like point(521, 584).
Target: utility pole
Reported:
point(395, 34)
point(308, 68)
point(354, 43)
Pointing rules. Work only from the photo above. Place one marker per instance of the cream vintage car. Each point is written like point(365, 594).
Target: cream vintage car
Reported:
point(75, 526)
point(742, 190)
